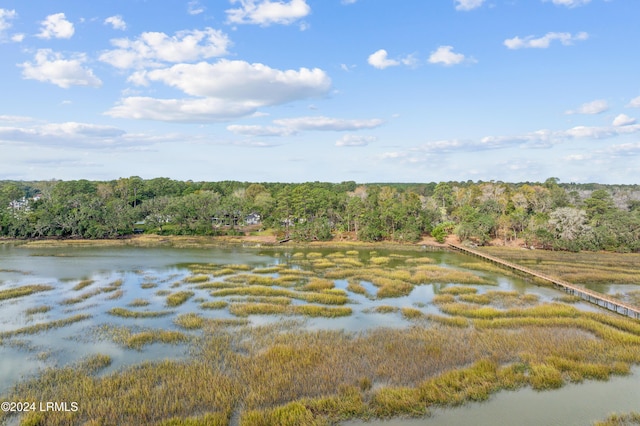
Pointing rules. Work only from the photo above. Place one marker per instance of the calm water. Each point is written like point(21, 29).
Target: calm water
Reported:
point(63, 268)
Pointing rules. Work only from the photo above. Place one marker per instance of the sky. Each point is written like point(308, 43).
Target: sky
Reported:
point(320, 90)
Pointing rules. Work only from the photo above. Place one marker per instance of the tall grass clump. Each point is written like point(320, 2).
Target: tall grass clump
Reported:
point(178, 298)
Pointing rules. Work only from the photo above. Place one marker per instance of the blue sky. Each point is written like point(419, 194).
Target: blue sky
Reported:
point(330, 90)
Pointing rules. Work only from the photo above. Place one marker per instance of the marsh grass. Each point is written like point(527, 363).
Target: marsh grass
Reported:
point(81, 298)
point(245, 309)
point(189, 321)
point(411, 313)
point(45, 326)
point(196, 279)
point(317, 284)
point(177, 299)
point(42, 309)
point(127, 313)
point(135, 338)
point(116, 295)
point(281, 373)
point(311, 297)
point(137, 303)
point(82, 284)
point(25, 290)
point(616, 419)
point(285, 374)
point(147, 286)
point(218, 304)
point(577, 268)
point(355, 287)
point(568, 298)
point(385, 309)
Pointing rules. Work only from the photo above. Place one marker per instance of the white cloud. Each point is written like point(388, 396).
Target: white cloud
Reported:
point(15, 118)
point(201, 110)
point(625, 149)
point(468, 4)
point(634, 103)
point(194, 8)
point(70, 133)
point(267, 12)
point(355, 140)
point(225, 90)
point(327, 123)
point(52, 67)
point(17, 37)
point(544, 42)
point(151, 49)
point(569, 3)
point(348, 1)
point(256, 84)
point(380, 60)
point(56, 26)
point(623, 120)
point(260, 130)
point(444, 55)
point(594, 107)
point(116, 22)
point(6, 16)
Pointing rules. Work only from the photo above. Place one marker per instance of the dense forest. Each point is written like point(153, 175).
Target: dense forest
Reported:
point(547, 215)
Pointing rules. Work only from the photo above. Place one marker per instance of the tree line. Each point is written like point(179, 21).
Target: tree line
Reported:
point(548, 215)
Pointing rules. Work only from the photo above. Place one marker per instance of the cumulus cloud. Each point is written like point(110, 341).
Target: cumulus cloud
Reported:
point(327, 123)
point(444, 55)
point(256, 83)
point(116, 22)
point(355, 140)
point(594, 107)
point(544, 42)
point(569, 3)
point(224, 90)
point(468, 4)
point(152, 49)
point(380, 60)
point(53, 67)
point(623, 120)
point(634, 103)
point(56, 26)
point(267, 12)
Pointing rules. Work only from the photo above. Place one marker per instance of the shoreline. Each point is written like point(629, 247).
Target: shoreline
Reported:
point(180, 241)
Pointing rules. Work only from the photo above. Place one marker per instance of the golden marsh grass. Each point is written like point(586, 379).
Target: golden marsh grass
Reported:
point(22, 291)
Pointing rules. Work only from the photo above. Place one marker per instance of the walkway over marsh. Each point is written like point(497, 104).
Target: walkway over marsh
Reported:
point(588, 295)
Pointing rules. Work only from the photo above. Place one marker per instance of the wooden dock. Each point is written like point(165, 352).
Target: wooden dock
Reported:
point(594, 297)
